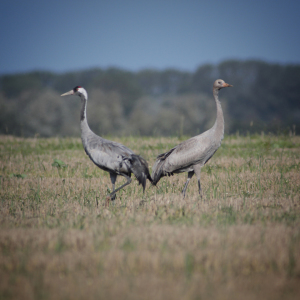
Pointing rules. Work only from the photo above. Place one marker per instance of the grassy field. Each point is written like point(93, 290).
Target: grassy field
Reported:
point(241, 241)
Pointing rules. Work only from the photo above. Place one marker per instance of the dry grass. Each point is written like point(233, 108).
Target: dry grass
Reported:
point(242, 241)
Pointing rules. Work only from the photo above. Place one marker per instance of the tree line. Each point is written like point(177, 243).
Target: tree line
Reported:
point(265, 97)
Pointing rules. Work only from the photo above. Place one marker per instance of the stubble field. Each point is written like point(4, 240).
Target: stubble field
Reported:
point(59, 241)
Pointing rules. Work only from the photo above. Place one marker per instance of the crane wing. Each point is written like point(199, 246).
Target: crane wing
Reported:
point(197, 150)
point(108, 155)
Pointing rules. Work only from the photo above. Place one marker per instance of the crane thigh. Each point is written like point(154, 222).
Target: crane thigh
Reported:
point(197, 170)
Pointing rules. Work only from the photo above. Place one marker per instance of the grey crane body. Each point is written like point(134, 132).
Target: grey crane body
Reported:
point(191, 155)
point(110, 156)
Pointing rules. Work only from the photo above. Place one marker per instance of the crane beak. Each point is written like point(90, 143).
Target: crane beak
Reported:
point(68, 93)
point(227, 85)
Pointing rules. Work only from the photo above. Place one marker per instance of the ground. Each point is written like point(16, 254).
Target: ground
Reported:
point(240, 241)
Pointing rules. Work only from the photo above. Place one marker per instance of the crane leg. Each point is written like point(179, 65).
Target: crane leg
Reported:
point(197, 170)
point(113, 178)
point(112, 195)
point(190, 175)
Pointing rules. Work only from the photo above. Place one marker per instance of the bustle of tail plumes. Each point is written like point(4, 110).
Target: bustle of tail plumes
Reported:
point(139, 168)
point(157, 170)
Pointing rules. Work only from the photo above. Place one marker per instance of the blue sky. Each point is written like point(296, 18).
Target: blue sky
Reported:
point(64, 36)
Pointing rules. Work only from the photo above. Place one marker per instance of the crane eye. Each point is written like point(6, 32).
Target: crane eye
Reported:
point(76, 88)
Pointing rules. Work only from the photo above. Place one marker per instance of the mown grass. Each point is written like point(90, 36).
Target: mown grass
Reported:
point(59, 241)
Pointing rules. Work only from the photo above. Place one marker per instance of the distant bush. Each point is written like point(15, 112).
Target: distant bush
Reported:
point(265, 97)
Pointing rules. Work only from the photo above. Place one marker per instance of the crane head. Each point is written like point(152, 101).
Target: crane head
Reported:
point(76, 91)
point(219, 84)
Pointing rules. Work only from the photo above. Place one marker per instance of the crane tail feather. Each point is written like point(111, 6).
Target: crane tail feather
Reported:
point(157, 170)
point(140, 170)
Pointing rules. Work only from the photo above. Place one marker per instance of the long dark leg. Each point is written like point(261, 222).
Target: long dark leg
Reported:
point(113, 178)
point(199, 187)
point(197, 170)
point(190, 175)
